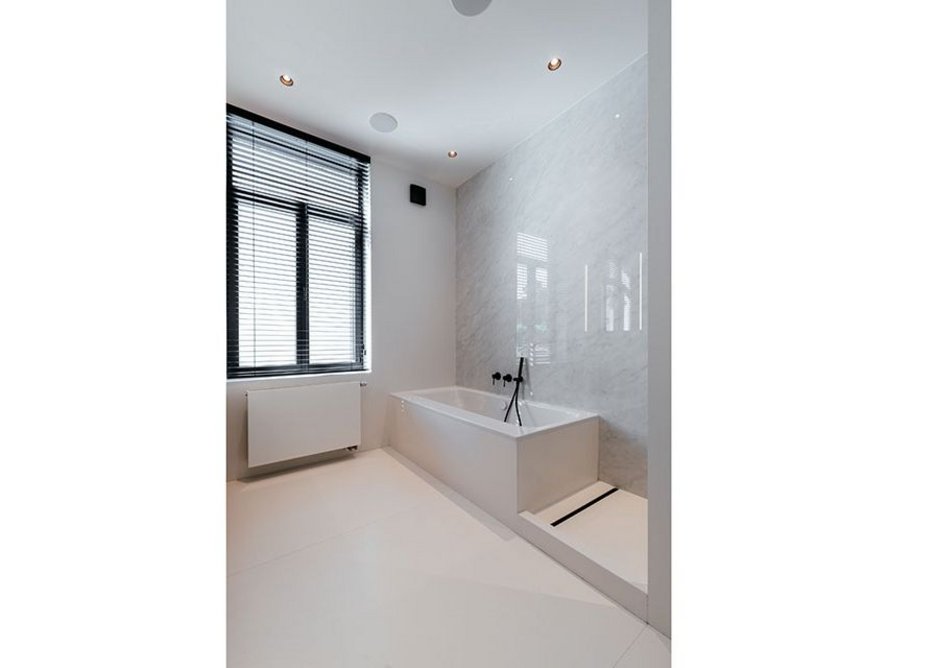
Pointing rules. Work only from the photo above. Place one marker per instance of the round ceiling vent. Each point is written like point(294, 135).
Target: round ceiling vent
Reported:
point(471, 7)
point(383, 122)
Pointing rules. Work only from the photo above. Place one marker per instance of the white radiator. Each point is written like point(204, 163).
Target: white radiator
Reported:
point(290, 422)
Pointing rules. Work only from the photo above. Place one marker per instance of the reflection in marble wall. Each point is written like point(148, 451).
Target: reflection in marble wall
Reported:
point(550, 243)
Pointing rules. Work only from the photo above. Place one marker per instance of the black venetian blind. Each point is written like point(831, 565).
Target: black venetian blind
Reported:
point(297, 238)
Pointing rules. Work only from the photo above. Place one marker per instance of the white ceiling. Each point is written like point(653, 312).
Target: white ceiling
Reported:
point(478, 85)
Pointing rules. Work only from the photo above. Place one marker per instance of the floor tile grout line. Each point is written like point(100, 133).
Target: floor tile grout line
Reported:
point(631, 645)
point(323, 541)
point(415, 504)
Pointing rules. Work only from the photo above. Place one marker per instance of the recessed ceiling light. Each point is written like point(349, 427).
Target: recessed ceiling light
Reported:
point(452, 154)
point(618, 115)
point(383, 122)
point(471, 7)
point(554, 64)
point(286, 80)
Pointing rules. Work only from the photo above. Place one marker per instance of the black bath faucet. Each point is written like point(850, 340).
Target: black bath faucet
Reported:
point(496, 376)
point(507, 378)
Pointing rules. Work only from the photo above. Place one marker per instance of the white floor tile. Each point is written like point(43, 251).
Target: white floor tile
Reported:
point(651, 650)
point(302, 609)
point(430, 584)
point(459, 623)
point(273, 516)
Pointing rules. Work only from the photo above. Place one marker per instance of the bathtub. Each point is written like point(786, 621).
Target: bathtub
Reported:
point(458, 436)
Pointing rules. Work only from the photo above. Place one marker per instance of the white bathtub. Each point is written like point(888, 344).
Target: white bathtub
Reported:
point(457, 435)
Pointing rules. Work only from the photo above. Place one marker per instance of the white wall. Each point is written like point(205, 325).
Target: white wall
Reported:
point(412, 310)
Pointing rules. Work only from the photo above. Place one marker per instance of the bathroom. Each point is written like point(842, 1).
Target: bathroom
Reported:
point(476, 278)
point(339, 334)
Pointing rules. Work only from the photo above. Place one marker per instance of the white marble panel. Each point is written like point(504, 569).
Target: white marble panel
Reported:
point(551, 257)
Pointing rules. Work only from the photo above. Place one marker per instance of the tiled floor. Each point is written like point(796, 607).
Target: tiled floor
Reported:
point(612, 532)
point(366, 561)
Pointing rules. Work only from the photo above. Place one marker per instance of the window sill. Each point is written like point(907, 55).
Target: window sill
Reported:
point(302, 376)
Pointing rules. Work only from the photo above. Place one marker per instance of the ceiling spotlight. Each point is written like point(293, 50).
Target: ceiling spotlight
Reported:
point(286, 80)
point(383, 122)
point(554, 64)
point(471, 7)
point(452, 154)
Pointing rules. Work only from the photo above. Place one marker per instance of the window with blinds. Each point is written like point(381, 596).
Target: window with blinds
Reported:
point(297, 242)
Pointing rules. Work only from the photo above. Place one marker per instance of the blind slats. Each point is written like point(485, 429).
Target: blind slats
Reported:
point(297, 239)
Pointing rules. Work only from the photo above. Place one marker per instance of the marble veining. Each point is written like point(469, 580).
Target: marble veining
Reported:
point(551, 257)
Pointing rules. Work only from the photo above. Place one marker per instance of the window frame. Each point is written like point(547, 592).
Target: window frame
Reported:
point(302, 211)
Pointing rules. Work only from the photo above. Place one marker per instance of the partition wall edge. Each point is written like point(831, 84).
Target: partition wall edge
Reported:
point(659, 315)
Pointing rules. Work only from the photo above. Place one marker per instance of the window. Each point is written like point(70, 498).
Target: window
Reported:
point(297, 248)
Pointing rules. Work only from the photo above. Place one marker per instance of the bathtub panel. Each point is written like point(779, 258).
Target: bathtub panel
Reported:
point(557, 463)
point(479, 464)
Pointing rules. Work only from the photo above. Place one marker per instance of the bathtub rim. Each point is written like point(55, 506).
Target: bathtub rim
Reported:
point(417, 398)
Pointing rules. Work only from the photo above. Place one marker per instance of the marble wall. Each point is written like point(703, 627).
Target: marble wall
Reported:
point(551, 260)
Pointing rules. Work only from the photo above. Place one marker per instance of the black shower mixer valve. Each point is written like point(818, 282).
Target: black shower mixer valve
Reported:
point(507, 378)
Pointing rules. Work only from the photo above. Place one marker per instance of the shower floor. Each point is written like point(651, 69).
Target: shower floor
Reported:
point(613, 531)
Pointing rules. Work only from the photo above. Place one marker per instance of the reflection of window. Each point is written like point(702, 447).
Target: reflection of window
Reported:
point(296, 251)
point(532, 247)
point(626, 302)
point(611, 304)
point(617, 298)
point(611, 296)
point(533, 325)
point(540, 275)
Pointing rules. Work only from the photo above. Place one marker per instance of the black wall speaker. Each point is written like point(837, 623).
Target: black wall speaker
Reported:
point(418, 195)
